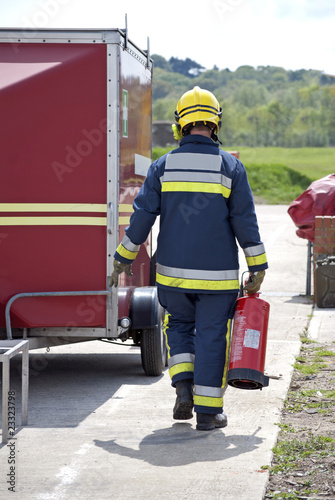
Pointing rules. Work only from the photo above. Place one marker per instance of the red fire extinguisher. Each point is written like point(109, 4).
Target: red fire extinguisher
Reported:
point(248, 345)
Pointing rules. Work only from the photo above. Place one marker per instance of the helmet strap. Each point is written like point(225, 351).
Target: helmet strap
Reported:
point(215, 137)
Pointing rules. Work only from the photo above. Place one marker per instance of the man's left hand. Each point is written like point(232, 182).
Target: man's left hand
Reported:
point(119, 267)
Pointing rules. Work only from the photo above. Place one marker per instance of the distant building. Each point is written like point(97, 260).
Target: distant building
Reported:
point(162, 135)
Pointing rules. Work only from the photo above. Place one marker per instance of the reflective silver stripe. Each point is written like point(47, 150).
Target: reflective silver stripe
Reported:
point(253, 251)
point(193, 161)
point(185, 357)
point(172, 176)
point(211, 392)
point(197, 274)
point(129, 245)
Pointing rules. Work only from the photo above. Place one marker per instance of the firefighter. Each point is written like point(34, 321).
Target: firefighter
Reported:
point(205, 204)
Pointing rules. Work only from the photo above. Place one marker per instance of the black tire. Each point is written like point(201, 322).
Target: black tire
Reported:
point(153, 347)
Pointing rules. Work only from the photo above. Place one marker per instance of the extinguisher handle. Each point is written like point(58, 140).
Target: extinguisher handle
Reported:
point(241, 293)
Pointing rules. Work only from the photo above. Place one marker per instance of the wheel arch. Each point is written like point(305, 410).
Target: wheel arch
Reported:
point(144, 308)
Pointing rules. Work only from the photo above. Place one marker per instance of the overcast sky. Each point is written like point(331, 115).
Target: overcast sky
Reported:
point(293, 34)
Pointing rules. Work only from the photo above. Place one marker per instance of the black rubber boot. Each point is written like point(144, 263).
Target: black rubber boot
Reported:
point(184, 403)
point(209, 421)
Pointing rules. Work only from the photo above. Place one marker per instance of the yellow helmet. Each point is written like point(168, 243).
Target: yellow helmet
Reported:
point(198, 105)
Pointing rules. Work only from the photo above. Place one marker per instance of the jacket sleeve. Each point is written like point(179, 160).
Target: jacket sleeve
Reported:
point(147, 205)
point(244, 221)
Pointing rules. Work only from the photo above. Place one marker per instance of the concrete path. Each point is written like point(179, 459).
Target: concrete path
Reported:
point(98, 427)
point(322, 325)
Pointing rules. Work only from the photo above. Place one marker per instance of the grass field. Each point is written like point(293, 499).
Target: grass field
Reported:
point(280, 175)
point(312, 162)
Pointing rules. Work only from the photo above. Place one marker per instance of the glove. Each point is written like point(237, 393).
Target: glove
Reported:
point(119, 268)
point(254, 282)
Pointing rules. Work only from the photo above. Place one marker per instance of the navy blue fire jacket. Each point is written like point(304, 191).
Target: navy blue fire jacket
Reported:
point(205, 204)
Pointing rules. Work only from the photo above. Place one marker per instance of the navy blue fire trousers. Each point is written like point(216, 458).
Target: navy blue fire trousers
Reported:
point(197, 329)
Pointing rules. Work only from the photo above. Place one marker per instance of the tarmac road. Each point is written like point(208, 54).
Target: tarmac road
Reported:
point(98, 427)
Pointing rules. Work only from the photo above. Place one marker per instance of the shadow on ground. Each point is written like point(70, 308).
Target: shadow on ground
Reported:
point(181, 445)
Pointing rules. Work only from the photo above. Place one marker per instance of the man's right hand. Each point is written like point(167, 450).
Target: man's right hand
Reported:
point(254, 282)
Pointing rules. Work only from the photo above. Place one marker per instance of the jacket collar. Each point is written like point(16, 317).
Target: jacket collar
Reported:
point(198, 139)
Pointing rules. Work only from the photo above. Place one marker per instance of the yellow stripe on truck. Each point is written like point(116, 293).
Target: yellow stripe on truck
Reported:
point(52, 207)
point(125, 207)
point(124, 221)
point(53, 221)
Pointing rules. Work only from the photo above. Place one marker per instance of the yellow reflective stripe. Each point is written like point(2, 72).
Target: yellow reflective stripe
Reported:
point(165, 327)
point(53, 221)
point(196, 187)
point(225, 371)
point(124, 221)
point(181, 368)
point(52, 207)
point(197, 284)
point(127, 254)
point(257, 260)
point(208, 401)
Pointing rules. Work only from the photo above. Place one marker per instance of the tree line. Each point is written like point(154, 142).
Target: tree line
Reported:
point(263, 106)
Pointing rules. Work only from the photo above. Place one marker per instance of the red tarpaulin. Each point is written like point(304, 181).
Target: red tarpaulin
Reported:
point(318, 199)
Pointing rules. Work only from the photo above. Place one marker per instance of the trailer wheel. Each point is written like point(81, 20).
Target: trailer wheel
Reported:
point(153, 347)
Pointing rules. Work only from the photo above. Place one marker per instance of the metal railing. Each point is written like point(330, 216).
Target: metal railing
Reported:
point(44, 294)
point(8, 349)
point(309, 274)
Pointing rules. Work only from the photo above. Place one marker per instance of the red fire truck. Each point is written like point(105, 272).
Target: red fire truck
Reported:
point(75, 147)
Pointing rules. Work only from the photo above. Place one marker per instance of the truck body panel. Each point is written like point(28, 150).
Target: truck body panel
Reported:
point(75, 146)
